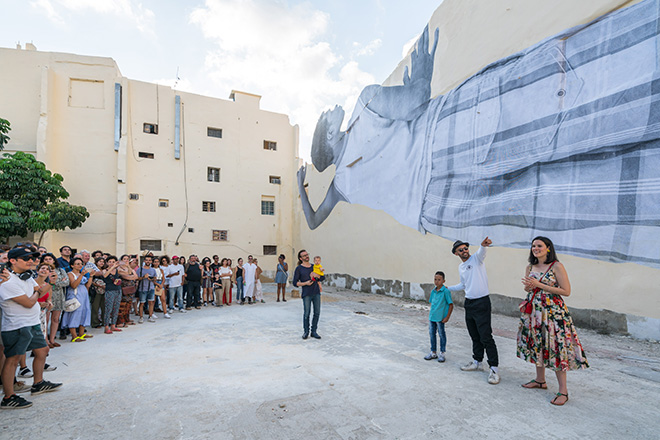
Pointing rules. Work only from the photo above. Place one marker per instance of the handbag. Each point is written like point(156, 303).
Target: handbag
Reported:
point(71, 305)
point(99, 285)
point(526, 306)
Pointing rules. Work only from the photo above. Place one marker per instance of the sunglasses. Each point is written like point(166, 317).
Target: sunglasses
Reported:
point(463, 249)
point(27, 258)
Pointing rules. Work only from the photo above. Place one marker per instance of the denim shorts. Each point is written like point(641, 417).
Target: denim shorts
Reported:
point(147, 295)
point(22, 340)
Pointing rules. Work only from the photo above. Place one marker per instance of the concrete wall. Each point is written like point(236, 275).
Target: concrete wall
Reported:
point(375, 253)
point(62, 108)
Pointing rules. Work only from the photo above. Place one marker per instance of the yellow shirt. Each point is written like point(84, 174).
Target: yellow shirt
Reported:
point(318, 269)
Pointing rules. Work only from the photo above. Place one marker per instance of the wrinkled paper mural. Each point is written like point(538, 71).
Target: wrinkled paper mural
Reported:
point(561, 139)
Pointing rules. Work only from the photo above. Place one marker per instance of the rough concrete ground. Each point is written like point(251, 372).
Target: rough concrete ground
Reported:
point(243, 372)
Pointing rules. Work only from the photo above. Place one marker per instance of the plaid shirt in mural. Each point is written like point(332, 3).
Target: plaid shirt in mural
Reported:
point(561, 139)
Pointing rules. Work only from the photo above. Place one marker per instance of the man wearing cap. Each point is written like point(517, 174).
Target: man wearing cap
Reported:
point(21, 329)
point(474, 281)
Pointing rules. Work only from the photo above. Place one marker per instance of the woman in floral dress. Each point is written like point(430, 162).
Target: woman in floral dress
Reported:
point(546, 336)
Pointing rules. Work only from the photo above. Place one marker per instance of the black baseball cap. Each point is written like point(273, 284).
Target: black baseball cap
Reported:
point(22, 252)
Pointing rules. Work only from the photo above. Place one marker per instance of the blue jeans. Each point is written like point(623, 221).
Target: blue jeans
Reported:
point(240, 295)
point(176, 292)
point(307, 305)
point(440, 328)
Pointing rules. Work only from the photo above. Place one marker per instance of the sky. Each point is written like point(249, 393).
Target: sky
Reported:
point(302, 57)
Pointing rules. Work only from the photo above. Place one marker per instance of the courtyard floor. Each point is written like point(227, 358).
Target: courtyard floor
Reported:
point(243, 372)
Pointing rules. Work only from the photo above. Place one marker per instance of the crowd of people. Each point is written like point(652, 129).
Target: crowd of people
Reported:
point(42, 295)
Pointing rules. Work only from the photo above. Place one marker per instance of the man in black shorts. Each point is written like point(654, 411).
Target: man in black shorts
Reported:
point(21, 329)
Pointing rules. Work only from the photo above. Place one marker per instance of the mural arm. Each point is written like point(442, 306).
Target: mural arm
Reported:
point(404, 102)
point(332, 197)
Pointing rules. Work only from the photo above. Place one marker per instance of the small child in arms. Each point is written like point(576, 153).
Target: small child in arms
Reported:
point(318, 271)
point(441, 308)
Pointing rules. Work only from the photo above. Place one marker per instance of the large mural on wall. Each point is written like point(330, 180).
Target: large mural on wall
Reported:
point(561, 139)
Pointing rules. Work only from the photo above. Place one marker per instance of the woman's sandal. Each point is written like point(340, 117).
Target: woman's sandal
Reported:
point(108, 332)
point(78, 339)
point(533, 384)
point(87, 336)
point(116, 330)
point(56, 344)
point(557, 396)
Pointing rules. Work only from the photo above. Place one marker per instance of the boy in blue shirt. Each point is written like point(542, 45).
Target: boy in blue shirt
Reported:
point(441, 308)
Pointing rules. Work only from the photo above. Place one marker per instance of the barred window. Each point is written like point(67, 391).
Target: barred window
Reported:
point(270, 249)
point(208, 206)
point(270, 145)
point(219, 235)
point(213, 174)
point(214, 132)
point(150, 245)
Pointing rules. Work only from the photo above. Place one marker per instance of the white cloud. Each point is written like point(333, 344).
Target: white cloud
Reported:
point(407, 48)
point(142, 18)
point(370, 48)
point(276, 50)
point(46, 7)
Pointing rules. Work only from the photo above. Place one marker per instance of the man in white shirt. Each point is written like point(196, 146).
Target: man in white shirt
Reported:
point(21, 329)
point(474, 281)
point(174, 274)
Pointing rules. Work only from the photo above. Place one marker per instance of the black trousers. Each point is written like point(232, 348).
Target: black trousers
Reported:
point(477, 319)
point(193, 299)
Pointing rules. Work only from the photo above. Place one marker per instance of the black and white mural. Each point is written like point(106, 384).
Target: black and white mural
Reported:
point(561, 139)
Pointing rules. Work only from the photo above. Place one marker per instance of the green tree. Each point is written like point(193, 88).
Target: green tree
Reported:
point(36, 196)
point(5, 126)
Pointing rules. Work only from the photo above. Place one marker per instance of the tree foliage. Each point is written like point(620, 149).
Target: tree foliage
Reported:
point(34, 194)
point(5, 126)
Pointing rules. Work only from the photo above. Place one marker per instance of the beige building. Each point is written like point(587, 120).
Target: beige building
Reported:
point(158, 169)
point(371, 252)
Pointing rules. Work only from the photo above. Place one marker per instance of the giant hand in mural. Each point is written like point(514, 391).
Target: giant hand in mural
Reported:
point(561, 139)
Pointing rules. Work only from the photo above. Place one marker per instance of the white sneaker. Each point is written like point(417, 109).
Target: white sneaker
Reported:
point(166, 316)
point(151, 319)
point(472, 366)
point(171, 310)
point(493, 378)
point(141, 320)
point(154, 316)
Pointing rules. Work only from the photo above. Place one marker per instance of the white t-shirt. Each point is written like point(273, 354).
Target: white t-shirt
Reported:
point(224, 272)
point(14, 315)
point(474, 280)
point(175, 281)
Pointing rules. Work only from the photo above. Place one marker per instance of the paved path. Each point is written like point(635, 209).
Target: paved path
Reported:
point(243, 372)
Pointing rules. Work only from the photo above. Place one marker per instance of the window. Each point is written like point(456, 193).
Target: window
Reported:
point(213, 174)
point(150, 245)
point(275, 180)
point(267, 205)
point(270, 249)
point(214, 132)
point(133, 196)
point(219, 235)
point(208, 206)
point(170, 225)
point(150, 128)
point(270, 145)
point(146, 155)
point(163, 203)
point(191, 229)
